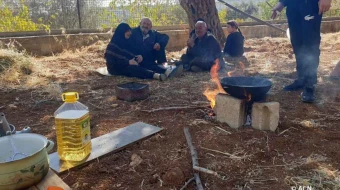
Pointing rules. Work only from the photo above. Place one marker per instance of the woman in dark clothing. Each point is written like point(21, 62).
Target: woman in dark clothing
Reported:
point(121, 60)
point(234, 46)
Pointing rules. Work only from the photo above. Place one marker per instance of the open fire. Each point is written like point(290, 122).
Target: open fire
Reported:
point(241, 100)
point(211, 93)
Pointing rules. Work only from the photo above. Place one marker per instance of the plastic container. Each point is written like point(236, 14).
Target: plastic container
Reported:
point(72, 120)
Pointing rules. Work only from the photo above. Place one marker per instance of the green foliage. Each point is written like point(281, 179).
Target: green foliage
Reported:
point(20, 21)
point(32, 15)
point(223, 15)
point(332, 13)
point(249, 8)
point(266, 10)
point(161, 12)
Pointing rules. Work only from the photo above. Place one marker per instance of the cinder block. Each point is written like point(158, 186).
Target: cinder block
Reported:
point(265, 116)
point(230, 110)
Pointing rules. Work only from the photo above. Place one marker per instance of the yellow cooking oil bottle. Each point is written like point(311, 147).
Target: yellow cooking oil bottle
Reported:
point(72, 120)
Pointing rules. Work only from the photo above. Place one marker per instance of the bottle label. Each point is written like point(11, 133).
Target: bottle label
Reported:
point(85, 130)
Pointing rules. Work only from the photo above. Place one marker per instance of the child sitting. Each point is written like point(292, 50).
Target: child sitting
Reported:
point(235, 41)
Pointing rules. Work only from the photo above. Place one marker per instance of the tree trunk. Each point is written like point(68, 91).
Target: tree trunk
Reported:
point(205, 9)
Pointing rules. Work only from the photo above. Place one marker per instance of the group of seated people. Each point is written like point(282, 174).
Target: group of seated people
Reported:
point(140, 52)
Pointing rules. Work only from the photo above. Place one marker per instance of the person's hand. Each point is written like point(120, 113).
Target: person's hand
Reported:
point(324, 6)
point(133, 62)
point(157, 46)
point(191, 42)
point(277, 9)
point(139, 58)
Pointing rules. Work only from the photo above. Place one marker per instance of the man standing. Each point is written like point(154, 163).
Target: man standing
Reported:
point(203, 50)
point(304, 21)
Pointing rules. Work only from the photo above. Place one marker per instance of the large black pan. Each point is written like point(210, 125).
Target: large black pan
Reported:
point(241, 87)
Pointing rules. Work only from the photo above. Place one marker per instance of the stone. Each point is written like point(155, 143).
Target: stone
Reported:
point(265, 116)
point(308, 124)
point(13, 106)
point(230, 110)
point(114, 105)
point(174, 176)
point(198, 122)
point(135, 160)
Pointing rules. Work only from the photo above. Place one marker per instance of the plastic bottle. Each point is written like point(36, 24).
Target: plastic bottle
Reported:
point(72, 120)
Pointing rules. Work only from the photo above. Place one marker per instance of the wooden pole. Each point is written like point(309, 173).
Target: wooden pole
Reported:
point(79, 16)
point(254, 18)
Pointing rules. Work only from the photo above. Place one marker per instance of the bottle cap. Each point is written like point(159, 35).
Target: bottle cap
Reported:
point(70, 97)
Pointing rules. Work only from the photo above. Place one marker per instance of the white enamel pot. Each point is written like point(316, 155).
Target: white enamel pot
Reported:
point(27, 170)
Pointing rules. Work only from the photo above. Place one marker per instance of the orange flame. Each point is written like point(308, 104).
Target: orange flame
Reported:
point(211, 93)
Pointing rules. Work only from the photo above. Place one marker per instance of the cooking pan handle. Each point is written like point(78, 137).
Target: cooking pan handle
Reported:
point(49, 146)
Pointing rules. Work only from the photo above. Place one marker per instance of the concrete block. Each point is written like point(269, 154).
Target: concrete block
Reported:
point(265, 116)
point(230, 110)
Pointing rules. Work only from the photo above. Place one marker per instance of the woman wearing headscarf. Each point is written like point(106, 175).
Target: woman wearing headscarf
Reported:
point(121, 60)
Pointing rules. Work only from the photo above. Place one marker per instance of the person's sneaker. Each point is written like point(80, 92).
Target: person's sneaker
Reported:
point(196, 69)
point(174, 71)
point(161, 77)
point(186, 66)
point(296, 85)
point(308, 95)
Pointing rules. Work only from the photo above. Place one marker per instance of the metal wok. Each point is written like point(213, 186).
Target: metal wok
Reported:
point(253, 89)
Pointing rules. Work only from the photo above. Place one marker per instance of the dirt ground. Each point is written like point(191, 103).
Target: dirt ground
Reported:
point(303, 151)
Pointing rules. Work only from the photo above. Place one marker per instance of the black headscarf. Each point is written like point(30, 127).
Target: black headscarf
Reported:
point(119, 36)
point(119, 47)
